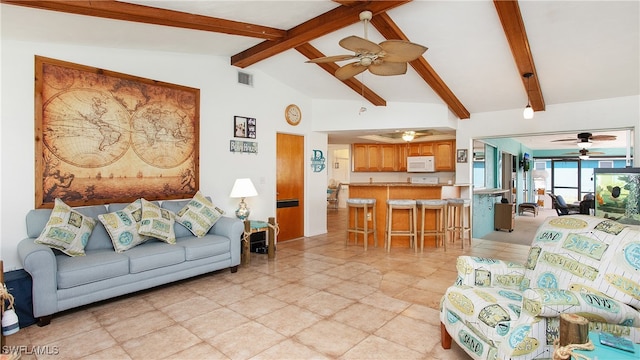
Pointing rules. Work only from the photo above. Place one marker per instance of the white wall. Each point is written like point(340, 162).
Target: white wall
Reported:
point(220, 99)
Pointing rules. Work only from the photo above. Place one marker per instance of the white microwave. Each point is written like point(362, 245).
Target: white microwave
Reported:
point(420, 164)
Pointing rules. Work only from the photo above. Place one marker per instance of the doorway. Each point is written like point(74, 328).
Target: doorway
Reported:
point(565, 179)
point(290, 186)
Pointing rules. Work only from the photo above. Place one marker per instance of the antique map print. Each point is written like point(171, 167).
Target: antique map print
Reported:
point(106, 137)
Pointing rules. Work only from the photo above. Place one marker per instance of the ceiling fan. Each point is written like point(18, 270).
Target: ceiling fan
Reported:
point(388, 58)
point(584, 153)
point(585, 138)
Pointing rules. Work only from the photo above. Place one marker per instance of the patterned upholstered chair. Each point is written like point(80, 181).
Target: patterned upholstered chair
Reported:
point(577, 264)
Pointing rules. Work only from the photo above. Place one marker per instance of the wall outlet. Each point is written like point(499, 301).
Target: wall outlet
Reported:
point(368, 216)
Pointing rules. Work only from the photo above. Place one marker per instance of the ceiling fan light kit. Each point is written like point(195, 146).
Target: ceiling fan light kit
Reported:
point(408, 135)
point(528, 110)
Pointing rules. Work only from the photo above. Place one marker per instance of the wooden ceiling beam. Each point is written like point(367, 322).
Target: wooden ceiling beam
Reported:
point(513, 25)
point(388, 28)
point(145, 14)
point(321, 25)
point(312, 53)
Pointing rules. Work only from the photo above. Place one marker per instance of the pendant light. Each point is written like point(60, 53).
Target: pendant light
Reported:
point(528, 110)
point(408, 135)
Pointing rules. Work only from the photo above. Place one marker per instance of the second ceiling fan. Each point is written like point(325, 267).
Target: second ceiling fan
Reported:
point(388, 58)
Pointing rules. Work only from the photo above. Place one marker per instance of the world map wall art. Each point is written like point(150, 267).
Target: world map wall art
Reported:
point(105, 137)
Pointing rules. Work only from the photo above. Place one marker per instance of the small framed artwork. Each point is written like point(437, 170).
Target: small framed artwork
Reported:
point(244, 127)
point(461, 155)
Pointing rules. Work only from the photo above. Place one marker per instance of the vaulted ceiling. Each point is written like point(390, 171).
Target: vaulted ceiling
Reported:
point(478, 50)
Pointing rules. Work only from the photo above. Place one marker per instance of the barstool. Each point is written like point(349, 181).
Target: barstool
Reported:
point(459, 219)
point(440, 230)
point(364, 204)
point(410, 206)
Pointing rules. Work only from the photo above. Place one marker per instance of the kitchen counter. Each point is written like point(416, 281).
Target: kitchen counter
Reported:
point(383, 191)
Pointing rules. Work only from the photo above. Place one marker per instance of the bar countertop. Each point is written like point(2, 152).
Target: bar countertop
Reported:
point(398, 184)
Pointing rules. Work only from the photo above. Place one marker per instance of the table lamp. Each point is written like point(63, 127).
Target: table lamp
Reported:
point(241, 189)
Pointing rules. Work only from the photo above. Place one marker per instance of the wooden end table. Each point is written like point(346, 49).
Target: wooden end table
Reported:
point(255, 226)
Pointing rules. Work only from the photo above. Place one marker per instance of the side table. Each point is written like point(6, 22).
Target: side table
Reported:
point(603, 352)
point(252, 227)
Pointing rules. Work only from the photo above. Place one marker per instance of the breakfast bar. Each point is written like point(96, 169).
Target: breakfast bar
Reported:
point(384, 191)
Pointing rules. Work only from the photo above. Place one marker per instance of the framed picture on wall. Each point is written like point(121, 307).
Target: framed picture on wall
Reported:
point(461, 155)
point(244, 127)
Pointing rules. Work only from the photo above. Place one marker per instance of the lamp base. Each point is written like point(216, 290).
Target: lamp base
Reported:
point(243, 211)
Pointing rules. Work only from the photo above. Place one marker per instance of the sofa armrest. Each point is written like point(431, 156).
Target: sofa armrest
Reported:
point(594, 307)
point(484, 272)
point(40, 262)
point(232, 228)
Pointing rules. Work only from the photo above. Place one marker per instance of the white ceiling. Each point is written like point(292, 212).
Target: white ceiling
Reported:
point(582, 50)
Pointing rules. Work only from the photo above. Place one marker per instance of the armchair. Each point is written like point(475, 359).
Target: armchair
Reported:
point(578, 264)
point(561, 206)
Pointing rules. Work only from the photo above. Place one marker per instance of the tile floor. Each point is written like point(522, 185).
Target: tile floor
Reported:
point(319, 299)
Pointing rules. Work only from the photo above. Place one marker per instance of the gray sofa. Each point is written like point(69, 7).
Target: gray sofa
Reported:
point(62, 282)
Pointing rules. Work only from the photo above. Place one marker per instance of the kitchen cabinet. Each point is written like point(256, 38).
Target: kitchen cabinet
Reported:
point(443, 152)
point(375, 157)
point(393, 157)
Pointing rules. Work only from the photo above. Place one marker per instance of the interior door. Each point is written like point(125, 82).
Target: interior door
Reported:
point(290, 186)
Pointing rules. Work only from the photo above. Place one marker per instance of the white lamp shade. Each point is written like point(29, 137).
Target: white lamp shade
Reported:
point(528, 112)
point(408, 135)
point(243, 188)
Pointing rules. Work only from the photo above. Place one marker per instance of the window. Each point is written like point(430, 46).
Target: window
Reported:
point(607, 164)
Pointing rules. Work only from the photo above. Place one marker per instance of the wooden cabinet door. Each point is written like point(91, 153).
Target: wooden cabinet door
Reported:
point(402, 151)
point(388, 157)
point(444, 155)
point(375, 157)
point(426, 149)
point(360, 155)
point(413, 150)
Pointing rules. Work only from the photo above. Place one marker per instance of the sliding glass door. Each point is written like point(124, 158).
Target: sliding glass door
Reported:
point(565, 179)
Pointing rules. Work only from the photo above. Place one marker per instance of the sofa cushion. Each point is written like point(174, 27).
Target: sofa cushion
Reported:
point(586, 253)
point(210, 245)
point(97, 265)
point(67, 230)
point(153, 254)
point(199, 215)
point(122, 226)
point(157, 222)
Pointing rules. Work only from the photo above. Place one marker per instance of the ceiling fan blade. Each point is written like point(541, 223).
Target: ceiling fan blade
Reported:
point(559, 140)
point(603, 137)
point(349, 70)
point(359, 45)
point(401, 51)
point(388, 68)
point(330, 59)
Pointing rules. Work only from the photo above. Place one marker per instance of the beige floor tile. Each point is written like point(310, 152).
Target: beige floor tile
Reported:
point(189, 308)
point(79, 345)
point(139, 325)
point(292, 292)
point(114, 352)
point(364, 317)
point(351, 290)
point(374, 347)
point(200, 351)
point(160, 344)
point(65, 325)
point(289, 349)
point(257, 306)
point(324, 303)
point(385, 302)
point(246, 340)
point(214, 323)
point(330, 337)
point(412, 333)
point(112, 312)
point(320, 281)
point(231, 294)
point(289, 320)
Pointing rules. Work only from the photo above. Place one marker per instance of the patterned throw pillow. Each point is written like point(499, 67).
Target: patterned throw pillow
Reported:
point(157, 222)
point(199, 215)
point(122, 226)
point(67, 230)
